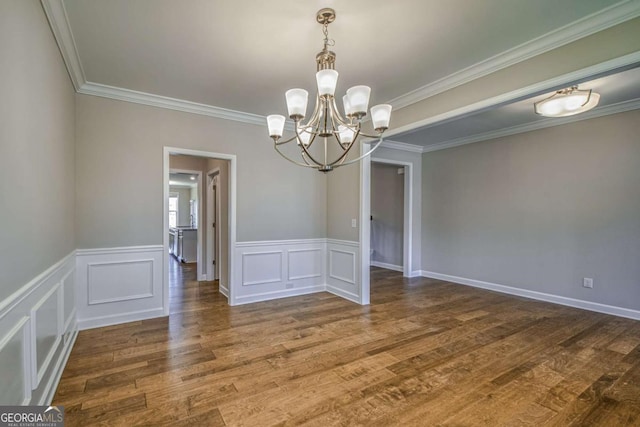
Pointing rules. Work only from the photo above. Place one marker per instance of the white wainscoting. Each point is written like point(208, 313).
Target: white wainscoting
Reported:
point(343, 269)
point(37, 330)
point(118, 285)
point(267, 270)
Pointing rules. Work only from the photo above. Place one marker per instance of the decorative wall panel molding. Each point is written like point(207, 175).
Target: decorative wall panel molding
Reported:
point(278, 268)
point(37, 331)
point(46, 332)
point(342, 269)
point(117, 285)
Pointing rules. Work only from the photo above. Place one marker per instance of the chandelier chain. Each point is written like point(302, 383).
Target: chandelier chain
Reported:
point(327, 40)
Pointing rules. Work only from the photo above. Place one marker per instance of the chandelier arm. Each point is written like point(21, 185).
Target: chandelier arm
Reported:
point(340, 160)
point(371, 136)
point(305, 151)
point(292, 161)
point(340, 119)
point(305, 146)
point(315, 116)
point(286, 141)
point(365, 154)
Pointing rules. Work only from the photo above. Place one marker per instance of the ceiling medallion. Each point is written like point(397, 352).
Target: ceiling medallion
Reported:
point(326, 125)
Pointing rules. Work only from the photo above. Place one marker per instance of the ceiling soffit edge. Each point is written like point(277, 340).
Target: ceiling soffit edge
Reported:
point(59, 23)
point(591, 24)
point(522, 93)
point(620, 107)
point(402, 146)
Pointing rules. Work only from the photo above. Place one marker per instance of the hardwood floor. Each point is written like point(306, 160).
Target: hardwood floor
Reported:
point(425, 352)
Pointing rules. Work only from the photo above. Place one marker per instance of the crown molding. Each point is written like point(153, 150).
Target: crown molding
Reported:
point(402, 146)
point(591, 24)
point(136, 97)
point(620, 107)
point(59, 23)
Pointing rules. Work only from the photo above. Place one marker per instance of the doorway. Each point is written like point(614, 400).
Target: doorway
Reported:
point(223, 236)
point(387, 216)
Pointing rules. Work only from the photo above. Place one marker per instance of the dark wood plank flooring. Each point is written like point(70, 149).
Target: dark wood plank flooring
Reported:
point(425, 352)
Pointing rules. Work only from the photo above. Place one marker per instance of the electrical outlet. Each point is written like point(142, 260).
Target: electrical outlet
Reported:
point(289, 285)
point(587, 282)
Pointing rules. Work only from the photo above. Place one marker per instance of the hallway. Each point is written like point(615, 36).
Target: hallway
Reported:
point(424, 352)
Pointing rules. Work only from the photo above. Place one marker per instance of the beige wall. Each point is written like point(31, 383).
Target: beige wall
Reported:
point(540, 210)
point(36, 147)
point(120, 148)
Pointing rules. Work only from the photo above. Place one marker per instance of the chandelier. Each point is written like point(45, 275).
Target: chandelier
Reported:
point(333, 134)
point(567, 102)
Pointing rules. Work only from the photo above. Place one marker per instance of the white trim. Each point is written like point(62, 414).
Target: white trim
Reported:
point(22, 325)
point(59, 23)
point(350, 296)
point(354, 269)
point(149, 294)
point(266, 296)
point(591, 24)
point(304, 276)
point(541, 296)
point(18, 296)
point(402, 146)
point(232, 178)
point(38, 374)
point(365, 229)
point(267, 281)
point(525, 92)
point(283, 242)
point(387, 266)
point(620, 107)
point(52, 384)
point(136, 97)
point(118, 250)
point(115, 319)
point(223, 290)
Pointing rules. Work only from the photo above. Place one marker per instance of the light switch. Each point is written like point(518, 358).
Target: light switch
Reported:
point(354, 223)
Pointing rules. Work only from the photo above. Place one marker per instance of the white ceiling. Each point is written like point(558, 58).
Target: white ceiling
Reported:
point(618, 91)
point(182, 180)
point(244, 54)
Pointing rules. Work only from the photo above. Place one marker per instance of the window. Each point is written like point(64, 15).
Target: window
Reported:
point(173, 210)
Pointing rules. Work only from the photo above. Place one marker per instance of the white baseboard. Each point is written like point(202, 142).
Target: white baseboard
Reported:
point(387, 266)
point(266, 296)
point(224, 290)
point(541, 296)
point(343, 294)
point(115, 319)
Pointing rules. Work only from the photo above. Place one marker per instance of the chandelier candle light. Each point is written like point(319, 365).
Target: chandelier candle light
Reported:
point(326, 123)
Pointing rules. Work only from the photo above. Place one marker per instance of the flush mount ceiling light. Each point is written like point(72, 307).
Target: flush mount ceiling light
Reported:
point(326, 123)
point(567, 102)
